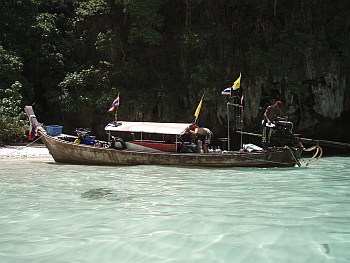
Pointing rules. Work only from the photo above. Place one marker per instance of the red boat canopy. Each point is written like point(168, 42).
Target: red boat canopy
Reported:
point(148, 127)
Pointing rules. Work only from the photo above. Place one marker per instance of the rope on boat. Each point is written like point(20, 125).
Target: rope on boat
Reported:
point(37, 139)
point(317, 155)
point(295, 159)
point(22, 147)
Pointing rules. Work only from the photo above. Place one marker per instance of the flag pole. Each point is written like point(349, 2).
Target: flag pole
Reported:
point(116, 115)
point(116, 112)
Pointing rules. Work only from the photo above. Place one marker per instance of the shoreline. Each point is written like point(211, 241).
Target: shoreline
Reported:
point(20, 151)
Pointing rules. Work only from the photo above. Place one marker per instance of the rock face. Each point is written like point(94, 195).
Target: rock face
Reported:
point(312, 83)
point(315, 105)
point(329, 96)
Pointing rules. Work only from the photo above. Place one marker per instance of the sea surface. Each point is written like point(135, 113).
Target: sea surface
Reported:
point(68, 213)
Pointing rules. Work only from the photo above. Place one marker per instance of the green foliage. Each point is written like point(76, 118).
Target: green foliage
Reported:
point(15, 20)
point(193, 39)
point(48, 52)
point(74, 56)
point(145, 21)
point(201, 76)
point(92, 8)
point(12, 125)
point(85, 90)
point(109, 46)
point(45, 24)
point(10, 68)
point(12, 118)
point(105, 41)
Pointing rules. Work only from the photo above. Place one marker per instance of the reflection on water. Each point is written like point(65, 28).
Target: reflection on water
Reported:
point(66, 213)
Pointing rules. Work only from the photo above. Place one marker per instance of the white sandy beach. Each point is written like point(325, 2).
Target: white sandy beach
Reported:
point(37, 151)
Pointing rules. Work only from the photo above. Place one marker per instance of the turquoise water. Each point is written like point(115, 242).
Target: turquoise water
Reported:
point(66, 213)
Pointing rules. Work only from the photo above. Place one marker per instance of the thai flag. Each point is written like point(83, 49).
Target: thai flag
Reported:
point(115, 104)
point(226, 92)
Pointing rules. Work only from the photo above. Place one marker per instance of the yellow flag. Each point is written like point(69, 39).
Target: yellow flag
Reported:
point(237, 83)
point(196, 114)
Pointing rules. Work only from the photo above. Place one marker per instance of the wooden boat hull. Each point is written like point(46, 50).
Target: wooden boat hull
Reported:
point(68, 152)
point(64, 151)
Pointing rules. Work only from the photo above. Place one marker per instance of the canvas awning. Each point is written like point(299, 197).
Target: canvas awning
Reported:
point(148, 127)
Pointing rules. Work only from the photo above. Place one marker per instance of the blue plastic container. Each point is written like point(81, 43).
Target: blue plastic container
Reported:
point(54, 130)
point(89, 140)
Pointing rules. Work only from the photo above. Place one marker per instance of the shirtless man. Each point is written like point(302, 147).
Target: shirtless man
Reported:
point(204, 134)
point(270, 117)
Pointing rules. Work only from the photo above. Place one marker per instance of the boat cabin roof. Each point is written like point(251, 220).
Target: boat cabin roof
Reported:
point(148, 127)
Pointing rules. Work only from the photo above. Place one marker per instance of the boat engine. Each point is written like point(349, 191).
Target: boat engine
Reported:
point(84, 136)
point(118, 143)
point(283, 135)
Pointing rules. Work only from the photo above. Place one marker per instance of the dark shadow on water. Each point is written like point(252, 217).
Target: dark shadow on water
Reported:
point(326, 248)
point(104, 193)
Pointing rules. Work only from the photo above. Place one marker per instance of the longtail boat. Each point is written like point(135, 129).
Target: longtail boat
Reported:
point(143, 151)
